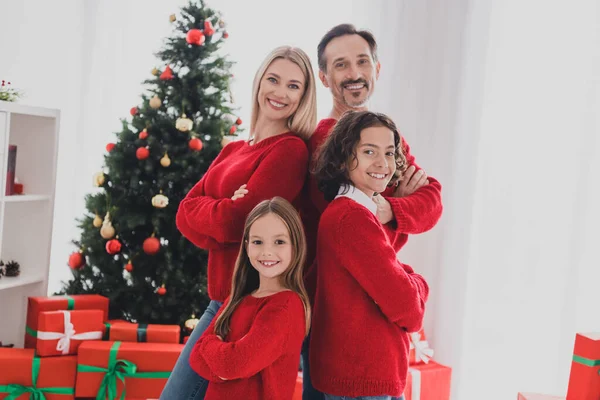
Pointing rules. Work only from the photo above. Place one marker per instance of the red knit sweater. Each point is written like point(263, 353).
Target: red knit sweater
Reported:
point(207, 216)
point(260, 355)
point(365, 304)
point(416, 213)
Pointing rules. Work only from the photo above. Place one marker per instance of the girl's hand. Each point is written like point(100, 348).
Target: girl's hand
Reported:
point(219, 337)
point(241, 192)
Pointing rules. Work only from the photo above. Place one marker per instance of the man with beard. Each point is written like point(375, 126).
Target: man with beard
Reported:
point(348, 66)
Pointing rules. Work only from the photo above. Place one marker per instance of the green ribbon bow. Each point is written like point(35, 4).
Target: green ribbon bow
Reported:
point(35, 393)
point(70, 306)
point(117, 370)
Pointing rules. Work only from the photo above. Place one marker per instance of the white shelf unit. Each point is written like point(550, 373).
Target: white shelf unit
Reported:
point(26, 220)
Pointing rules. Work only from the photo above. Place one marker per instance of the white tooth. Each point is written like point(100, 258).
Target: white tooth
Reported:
point(279, 105)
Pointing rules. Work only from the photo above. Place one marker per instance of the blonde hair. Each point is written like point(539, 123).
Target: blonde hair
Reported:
point(304, 120)
point(245, 277)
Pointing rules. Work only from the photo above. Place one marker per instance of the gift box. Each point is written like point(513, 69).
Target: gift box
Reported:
point(584, 381)
point(419, 348)
point(109, 324)
point(27, 377)
point(131, 370)
point(537, 396)
point(37, 305)
point(61, 332)
point(153, 333)
point(428, 382)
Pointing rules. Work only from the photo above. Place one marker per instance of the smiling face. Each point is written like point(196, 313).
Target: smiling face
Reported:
point(375, 161)
point(351, 71)
point(269, 246)
point(281, 89)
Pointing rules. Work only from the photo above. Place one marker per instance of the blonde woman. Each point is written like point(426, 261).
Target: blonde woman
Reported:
point(273, 162)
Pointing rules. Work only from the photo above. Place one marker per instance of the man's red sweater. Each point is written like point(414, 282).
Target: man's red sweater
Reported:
point(275, 166)
point(416, 213)
point(260, 355)
point(365, 304)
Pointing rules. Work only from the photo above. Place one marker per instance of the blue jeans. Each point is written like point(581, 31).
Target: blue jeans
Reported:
point(308, 391)
point(184, 383)
point(330, 397)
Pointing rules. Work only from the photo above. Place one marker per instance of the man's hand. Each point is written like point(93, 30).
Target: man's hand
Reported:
point(384, 209)
point(241, 192)
point(411, 181)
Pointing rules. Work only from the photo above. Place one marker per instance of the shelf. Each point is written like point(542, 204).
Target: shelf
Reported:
point(8, 283)
point(20, 198)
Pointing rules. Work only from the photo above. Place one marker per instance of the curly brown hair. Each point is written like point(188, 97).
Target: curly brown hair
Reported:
point(331, 167)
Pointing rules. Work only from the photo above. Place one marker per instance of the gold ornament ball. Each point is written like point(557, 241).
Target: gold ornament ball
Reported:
point(184, 124)
point(155, 71)
point(172, 18)
point(99, 179)
point(97, 221)
point(107, 231)
point(160, 201)
point(191, 323)
point(155, 102)
point(165, 161)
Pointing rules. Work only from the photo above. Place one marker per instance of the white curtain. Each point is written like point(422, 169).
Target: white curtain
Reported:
point(500, 101)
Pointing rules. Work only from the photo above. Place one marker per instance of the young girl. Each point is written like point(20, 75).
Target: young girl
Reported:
point(271, 163)
point(252, 349)
point(366, 300)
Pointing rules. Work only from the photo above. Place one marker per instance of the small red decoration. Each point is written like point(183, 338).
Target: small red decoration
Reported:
point(195, 144)
point(238, 121)
point(143, 134)
point(76, 260)
point(110, 147)
point(162, 290)
point(113, 246)
point(167, 74)
point(232, 130)
point(225, 35)
point(142, 153)
point(129, 267)
point(133, 111)
point(151, 246)
point(208, 28)
point(195, 36)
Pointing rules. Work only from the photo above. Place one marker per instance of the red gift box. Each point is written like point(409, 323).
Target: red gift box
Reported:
point(54, 377)
point(36, 305)
point(145, 368)
point(428, 382)
point(419, 348)
point(61, 332)
point(537, 396)
point(584, 382)
point(128, 332)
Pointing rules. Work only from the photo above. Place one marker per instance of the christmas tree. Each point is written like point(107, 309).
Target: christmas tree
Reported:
point(130, 249)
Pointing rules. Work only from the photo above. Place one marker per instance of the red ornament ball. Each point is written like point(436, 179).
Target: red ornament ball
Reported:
point(195, 36)
point(113, 246)
point(142, 153)
point(167, 74)
point(238, 121)
point(195, 144)
point(110, 147)
point(76, 260)
point(143, 134)
point(133, 111)
point(129, 267)
point(151, 246)
point(232, 130)
point(225, 35)
point(162, 291)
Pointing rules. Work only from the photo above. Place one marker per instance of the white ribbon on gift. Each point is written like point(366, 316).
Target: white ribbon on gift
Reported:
point(422, 350)
point(64, 339)
point(415, 393)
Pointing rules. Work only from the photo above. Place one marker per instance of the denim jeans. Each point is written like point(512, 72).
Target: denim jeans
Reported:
point(330, 397)
point(184, 383)
point(308, 391)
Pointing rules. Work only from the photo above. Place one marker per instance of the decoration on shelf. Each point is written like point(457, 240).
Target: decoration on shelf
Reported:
point(76, 260)
point(11, 269)
point(2, 269)
point(110, 147)
point(155, 102)
point(209, 30)
point(191, 323)
point(133, 111)
point(142, 153)
point(97, 221)
point(184, 124)
point(143, 134)
point(238, 121)
point(232, 130)
point(195, 36)
point(129, 266)
point(10, 345)
point(167, 74)
point(162, 290)
point(151, 245)
point(160, 200)
point(172, 18)
point(99, 179)
point(7, 93)
point(107, 231)
point(195, 144)
point(113, 246)
point(165, 161)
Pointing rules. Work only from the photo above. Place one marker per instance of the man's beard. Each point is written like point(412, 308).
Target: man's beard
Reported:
point(356, 103)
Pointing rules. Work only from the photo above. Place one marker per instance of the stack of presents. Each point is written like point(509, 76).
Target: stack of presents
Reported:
point(584, 381)
point(73, 351)
point(427, 380)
